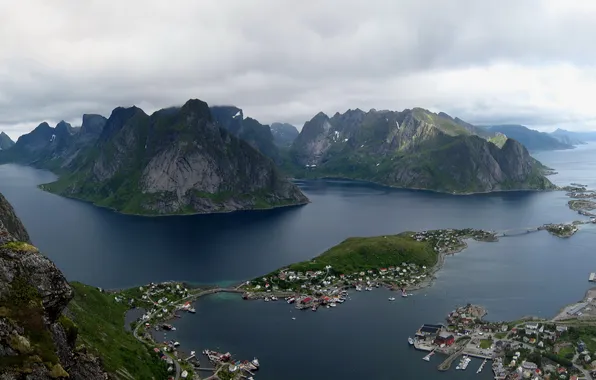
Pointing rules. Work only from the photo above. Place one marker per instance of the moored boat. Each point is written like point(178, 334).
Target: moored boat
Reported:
point(410, 341)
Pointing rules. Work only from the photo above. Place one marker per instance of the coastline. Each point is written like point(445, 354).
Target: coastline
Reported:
point(555, 188)
point(41, 187)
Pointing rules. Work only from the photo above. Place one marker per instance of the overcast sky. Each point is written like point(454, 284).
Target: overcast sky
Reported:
point(507, 61)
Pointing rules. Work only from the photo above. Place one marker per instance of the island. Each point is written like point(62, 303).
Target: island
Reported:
point(561, 347)
point(562, 230)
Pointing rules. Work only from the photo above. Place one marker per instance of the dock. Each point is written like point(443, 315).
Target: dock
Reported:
point(427, 357)
point(447, 362)
point(482, 366)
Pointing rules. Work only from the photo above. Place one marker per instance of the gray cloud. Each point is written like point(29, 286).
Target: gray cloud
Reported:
point(487, 62)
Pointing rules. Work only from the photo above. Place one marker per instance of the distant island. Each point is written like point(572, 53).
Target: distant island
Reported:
point(414, 149)
point(533, 140)
point(183, 160)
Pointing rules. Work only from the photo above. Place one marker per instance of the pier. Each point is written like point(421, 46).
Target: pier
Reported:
point(447, 362)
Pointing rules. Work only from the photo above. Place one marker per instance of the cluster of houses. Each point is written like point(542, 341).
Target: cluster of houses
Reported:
point(561, 229)
point(445, 240)
point(326, 281)
point(530, 350)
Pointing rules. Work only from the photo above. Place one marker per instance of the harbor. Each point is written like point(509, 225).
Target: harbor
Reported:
point(527, 348)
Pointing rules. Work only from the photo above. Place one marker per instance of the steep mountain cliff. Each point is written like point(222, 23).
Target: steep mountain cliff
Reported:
point(250, 130)
point(413, 149)
point(174, 161)
point(533, 140)
point(284, 134)
point(5, 141)
point(36, 340)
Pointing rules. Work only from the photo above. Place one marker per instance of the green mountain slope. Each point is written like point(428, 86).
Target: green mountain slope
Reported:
point(50, 329)
point(413, 149)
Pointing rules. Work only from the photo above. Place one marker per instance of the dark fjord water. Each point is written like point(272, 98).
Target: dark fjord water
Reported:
point(363, 338)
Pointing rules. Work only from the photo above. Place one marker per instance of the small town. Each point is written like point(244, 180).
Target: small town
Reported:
point(560, 348)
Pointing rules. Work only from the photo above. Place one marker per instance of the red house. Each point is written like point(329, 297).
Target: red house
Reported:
point(306, 300)
point(444, 338)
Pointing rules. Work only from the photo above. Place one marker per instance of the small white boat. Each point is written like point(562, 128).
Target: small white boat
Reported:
point(333, 304)
point(410, 341)
point(391, 298)
point(273, 298)
point(267, 299)
point(255, 361)
point(293, 318)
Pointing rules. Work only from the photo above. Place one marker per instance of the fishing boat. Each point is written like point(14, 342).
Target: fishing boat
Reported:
point(291, 300)
point(403, 293)
point(255, 362)
point(410, 340)
point(314, 308)
point(273, 298)
point(465, 362)
point(267, 299)
point(391, 298)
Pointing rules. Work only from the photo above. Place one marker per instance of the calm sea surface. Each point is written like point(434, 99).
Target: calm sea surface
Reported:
point(363, 338)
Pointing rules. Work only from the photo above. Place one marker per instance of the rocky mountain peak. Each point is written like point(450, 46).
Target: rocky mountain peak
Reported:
point(5, 141)
point(119, 117)
point(197, 108)
point(63, 128)
point(93, 124)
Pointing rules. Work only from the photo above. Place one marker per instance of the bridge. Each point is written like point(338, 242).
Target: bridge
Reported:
point(518, 231)
point(527, 230)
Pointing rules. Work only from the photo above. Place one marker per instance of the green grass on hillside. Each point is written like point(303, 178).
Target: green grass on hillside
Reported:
point(362, 253)
point(100, 322)
point(499, 140)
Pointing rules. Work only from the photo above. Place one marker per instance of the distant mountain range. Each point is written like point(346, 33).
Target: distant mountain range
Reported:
point(284, 134)
point(573, 138)
point(197, 158)
point(530, 138)
point(178, 160)
point(414, 149)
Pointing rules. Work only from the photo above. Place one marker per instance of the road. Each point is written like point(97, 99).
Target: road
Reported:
point(585, 372)
point(193, 296)
point(136, 335)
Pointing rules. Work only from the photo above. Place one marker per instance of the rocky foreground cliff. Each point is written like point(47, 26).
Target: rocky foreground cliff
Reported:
point(414, 149)
point(37, 341)
point(179, 160)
